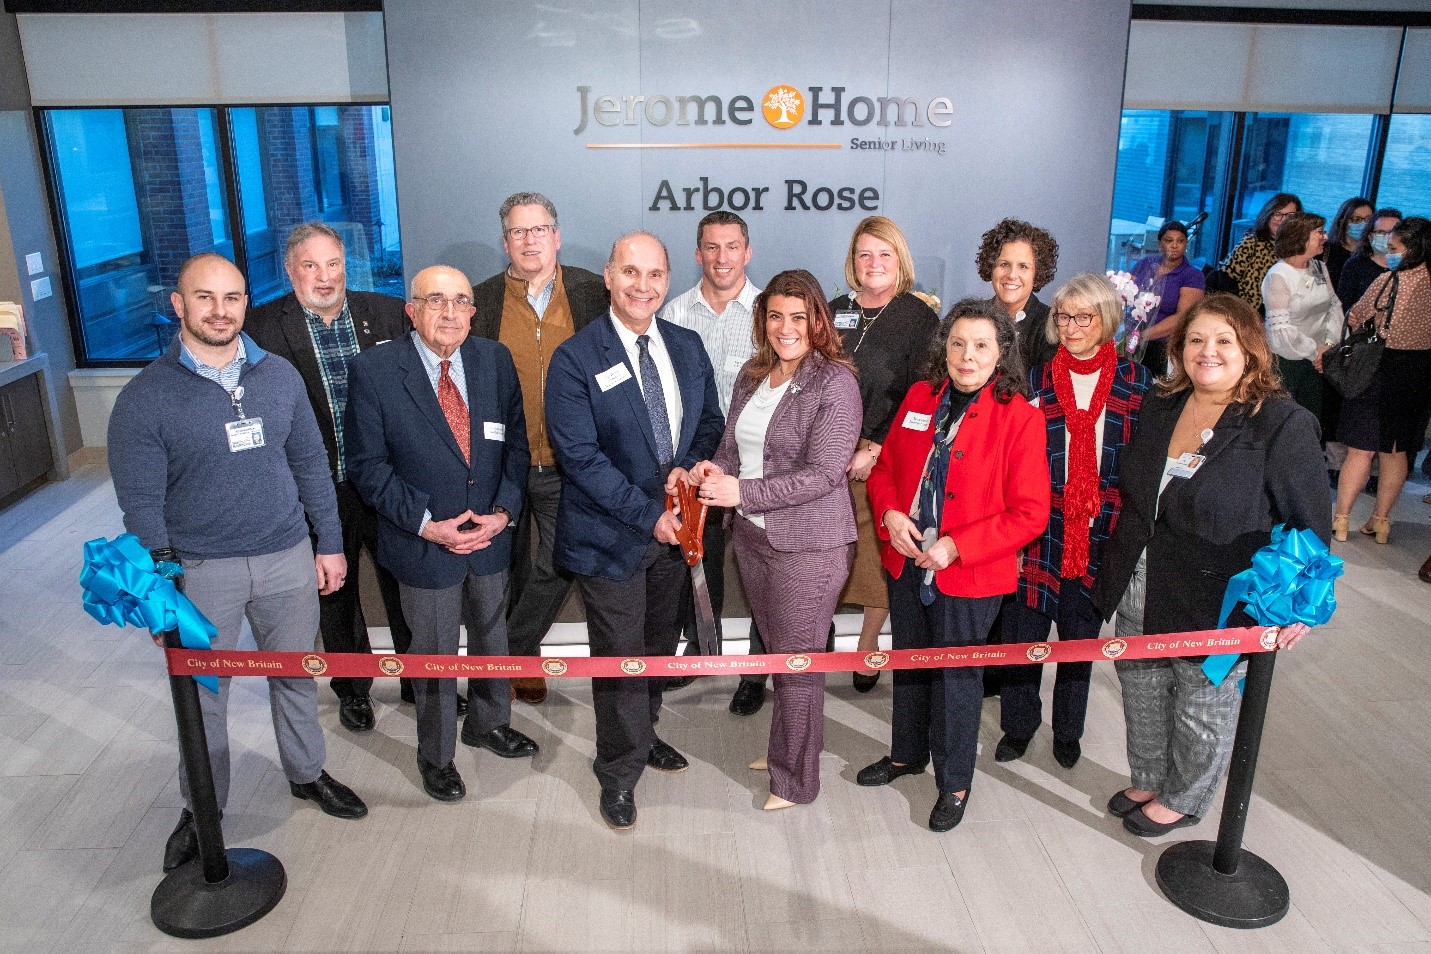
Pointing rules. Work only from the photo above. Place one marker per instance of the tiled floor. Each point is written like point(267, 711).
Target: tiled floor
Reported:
point(88, 793)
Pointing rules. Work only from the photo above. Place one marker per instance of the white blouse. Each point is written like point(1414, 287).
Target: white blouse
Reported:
point(1303, 312)
point(750, 430)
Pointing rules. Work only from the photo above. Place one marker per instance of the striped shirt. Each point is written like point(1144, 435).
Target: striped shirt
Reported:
point(226, 377)
point(727, 336)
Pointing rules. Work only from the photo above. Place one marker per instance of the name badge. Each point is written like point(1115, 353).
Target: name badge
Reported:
point(1186, 465)
point(734, 362)
point(916, 421)
point(612, 376)
point(245, 434)
point(847, 320)
point(494, 431)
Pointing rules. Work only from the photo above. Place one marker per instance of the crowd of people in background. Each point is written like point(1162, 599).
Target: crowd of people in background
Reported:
point(987, 475)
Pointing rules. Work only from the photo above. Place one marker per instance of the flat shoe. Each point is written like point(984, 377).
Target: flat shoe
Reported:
point(1067, 754)
point(948, 811)
point(885, 771)
point(749, 697)
point(664, 758)
point(330, 795)
point(183, 845)
point(1138, 823)
point(355, 713)
point(761, 764)
point(503, 740)
point(532, 691)
point(1011, 749)
point(1120, 804)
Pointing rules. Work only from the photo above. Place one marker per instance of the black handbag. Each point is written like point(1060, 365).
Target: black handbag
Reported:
point(1350, 365)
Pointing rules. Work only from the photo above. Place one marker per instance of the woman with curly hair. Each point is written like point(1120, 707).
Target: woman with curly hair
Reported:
point(961, 487)
point(1018, 259)
point(1222, 455)
point(1254, 256)
point(884, 328)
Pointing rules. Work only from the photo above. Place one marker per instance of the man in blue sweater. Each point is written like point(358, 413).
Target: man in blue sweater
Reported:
point(216, 457)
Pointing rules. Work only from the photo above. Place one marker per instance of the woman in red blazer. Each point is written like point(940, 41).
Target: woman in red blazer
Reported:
point(961, 486)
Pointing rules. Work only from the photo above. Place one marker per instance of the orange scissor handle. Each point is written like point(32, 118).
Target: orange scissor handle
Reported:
point(693, 522)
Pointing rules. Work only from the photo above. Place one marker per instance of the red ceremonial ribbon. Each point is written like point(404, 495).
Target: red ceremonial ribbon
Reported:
point(188, 662)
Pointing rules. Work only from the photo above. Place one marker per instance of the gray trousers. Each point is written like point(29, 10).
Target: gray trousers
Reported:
point(1180, 726)
point(538, 588)
point(278, 593)
point(479, 602)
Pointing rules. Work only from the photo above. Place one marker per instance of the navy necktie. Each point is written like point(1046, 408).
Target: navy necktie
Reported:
point(655, 397)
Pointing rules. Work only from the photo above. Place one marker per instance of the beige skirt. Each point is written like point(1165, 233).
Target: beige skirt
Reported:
point(866, 585)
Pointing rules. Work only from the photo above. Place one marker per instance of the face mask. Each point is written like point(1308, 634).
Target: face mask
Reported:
point(1378, 243)
point(1393, 260)
point(1355, 230)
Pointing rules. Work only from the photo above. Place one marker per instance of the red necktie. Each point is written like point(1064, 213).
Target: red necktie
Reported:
point(455, 411)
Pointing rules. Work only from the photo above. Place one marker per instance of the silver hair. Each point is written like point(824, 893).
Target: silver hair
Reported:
point(304, 232)
point(526, 198)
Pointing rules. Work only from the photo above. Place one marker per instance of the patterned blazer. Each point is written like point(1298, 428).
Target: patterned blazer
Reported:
point(1040, 578)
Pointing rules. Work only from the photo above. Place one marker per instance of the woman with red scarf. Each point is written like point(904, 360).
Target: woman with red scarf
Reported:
point(1090, 399)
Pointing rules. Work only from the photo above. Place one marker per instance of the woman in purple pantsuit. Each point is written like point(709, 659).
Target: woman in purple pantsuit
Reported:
point(794, 421)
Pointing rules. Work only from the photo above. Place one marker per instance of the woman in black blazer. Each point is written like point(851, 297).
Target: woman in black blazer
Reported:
point(1222, 454)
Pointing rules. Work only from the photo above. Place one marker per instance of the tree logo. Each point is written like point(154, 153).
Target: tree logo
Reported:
point(783, 106)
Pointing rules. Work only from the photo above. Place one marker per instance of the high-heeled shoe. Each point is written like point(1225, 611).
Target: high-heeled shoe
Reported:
point(865, 683)
point(759, 765)
point(1341, 522)
point(1379, 527)
point(774, 803)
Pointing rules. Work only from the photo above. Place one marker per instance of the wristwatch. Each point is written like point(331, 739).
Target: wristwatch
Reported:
point(504, 512)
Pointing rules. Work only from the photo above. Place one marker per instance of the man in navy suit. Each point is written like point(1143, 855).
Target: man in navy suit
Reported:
point(631, 404)
point(438, 446)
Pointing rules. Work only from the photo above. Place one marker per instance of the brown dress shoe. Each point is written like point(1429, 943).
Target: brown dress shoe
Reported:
point(530, 691)
point(1425, 571)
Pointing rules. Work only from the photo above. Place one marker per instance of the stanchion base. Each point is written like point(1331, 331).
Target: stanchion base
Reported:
point(185, 905)
point(1254, 897)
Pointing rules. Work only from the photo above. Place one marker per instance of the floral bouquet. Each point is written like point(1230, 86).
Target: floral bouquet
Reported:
point(1140, 307)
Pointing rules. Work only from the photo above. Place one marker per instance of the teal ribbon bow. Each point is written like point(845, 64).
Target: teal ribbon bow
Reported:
point(1290, 581)
point(123, 586)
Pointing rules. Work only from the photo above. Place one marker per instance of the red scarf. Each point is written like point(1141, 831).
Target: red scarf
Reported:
point(1081, 499)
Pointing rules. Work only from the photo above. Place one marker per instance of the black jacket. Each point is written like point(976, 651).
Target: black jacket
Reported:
point(585, 292)
point(280, 328)
point(1261, 470)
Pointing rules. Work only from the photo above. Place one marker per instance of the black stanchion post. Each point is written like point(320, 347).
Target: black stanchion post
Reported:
point(1221, 882)
point(225, 889)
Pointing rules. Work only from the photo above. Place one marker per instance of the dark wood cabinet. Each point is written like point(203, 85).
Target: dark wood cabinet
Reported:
point(24, 437)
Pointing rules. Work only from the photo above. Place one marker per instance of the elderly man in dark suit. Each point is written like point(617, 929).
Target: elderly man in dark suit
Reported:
point(438, 445)
point(631, 404)
point(319, 327)
point(532, 307)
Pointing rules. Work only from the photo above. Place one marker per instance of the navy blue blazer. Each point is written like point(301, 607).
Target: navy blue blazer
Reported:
point(403, 459)
point(612, 487)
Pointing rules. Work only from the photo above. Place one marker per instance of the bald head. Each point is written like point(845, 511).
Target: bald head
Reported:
point(638, 275)
point(441, 308)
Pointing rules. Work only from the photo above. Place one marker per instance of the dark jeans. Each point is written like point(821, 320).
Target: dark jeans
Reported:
point(632, 617)
point(538, 587)
point(1022, 709)
point(340, 614)
point(714, 542)
point(936, 711)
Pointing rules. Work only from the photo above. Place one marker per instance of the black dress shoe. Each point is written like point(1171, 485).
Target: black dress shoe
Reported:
point(1065, 753)
point(355, 713)
point(618, 808)
point(1011, 749)
point(679, 682)
point(1120, 804)
point(1141, 825)
point(443, 784)
point(864, 683)
point(462, 703)
point(948, 811)
point(749, 697)
point(885, 771)
point(332, 796)
point(503, 740)
point(183, 845)
point(663, 758)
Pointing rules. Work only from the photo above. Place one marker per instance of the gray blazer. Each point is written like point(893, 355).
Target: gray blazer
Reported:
point(804, 496)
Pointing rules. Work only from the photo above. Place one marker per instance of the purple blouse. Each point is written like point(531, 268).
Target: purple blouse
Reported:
point(1184, 276)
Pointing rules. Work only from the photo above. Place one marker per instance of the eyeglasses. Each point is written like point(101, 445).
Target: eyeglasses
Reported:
point(437, 303)
point(1062, 318)
point(537, 232)
point(1279, 216)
